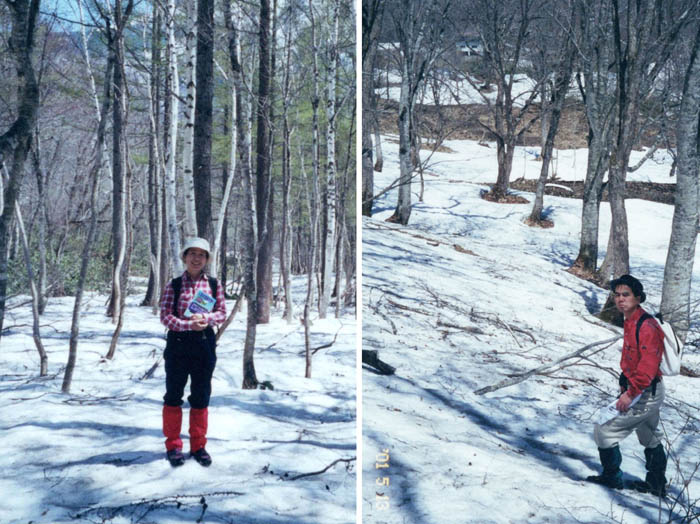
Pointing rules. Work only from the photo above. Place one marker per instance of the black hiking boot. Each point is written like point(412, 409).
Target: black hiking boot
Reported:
point(655, 482)
point(612, 476)
point(175, 457)
point(644, 487)
point(202, 457)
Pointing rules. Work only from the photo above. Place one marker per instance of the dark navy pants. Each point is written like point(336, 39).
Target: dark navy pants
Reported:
point(189, 354)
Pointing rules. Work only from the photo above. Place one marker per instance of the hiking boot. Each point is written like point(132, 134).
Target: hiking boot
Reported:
point(645, 487)
point(655, 481)
point(202, 457)
point(611, 476)
point(175, 457)
point(614, 482)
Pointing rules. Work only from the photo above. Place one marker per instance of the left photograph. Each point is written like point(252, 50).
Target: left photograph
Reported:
point(178, 312)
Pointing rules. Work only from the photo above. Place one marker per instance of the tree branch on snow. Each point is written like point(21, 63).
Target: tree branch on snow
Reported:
point(538, 371)
point(89, 400)
point(407, 308)
point(318, 348)
point(324, 346)
point(329, 466)
point(375, 308)
point(229, 319)
point(468, 329)
point(110, 512)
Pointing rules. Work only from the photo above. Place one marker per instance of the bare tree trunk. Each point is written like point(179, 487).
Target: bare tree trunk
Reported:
point(41, 179)
point(263, 192)
point(379, 154)
point(221, 220)
point(250, 380)
point(678, 272)
point(36, 332)
point(403, 206)
point(155, 222)
point(90, 240)
point(563, 78)
point(371, 24)
point(171, 110)
point(313, 215)
point(330, 219)
point(15, 142)
point(188, 149)
point(587, 259)
point(115, 40)
point(594, 41)
point(203, 118)
point(643, 42)
point(286, 231)
point(342, 229)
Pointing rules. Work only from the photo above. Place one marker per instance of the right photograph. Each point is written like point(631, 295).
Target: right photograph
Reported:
point(531, 303)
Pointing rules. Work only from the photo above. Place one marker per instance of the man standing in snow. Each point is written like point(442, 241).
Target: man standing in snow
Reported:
point(190, 352)
point(642, 350)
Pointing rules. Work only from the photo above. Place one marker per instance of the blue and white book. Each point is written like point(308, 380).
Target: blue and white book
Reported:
point(201, 303)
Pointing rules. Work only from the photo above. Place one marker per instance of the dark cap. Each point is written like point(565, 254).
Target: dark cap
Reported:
point(634, 284)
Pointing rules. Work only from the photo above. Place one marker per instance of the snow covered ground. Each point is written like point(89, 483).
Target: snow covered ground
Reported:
point(454, 92)
point(97, 455)
point(467, 294)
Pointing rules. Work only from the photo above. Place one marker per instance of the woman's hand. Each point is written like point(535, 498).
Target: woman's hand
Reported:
point(199, 323)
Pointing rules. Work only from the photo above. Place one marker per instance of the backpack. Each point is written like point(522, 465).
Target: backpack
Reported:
point(177, 287)
point(673, 347)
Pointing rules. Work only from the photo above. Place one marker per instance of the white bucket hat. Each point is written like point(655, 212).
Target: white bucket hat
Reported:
point(200, 243)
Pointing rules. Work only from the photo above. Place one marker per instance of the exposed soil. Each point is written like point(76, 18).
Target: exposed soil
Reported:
point(463, 123)
point(654, 192)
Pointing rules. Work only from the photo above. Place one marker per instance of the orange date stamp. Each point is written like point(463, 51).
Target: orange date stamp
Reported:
point(382, 482)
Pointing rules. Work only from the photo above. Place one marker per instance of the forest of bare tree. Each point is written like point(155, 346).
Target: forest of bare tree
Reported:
point(632, 67)
point(126, 127)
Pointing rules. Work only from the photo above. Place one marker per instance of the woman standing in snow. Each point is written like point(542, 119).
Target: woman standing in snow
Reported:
point(190, 352)
point(642, 350)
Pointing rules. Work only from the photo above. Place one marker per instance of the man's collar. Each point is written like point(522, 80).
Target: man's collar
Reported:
point(635, 316)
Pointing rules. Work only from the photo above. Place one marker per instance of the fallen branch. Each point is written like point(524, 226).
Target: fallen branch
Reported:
point(324, 346)
point(524, 376)
point(236, 308)
point(149, 373)
point(113, 511)
point(369, 357)
point(468, 329)
point(91, 401)
point(329, 466)
point(407, 308)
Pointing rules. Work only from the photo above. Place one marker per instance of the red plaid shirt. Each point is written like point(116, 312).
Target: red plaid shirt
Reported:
point(187, 292)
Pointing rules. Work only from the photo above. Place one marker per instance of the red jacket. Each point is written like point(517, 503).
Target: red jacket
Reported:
point(641, 364)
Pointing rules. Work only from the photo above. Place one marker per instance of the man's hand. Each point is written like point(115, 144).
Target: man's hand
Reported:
point(199, 323)
point(623, 403)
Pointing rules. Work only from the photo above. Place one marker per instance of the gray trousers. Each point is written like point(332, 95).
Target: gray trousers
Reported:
point(642, 418)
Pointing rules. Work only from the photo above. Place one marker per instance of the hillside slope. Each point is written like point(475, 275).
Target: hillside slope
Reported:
point(461, 298)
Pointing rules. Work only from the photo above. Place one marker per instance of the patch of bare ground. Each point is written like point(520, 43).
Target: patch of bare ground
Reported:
point(508, 198)
point(687, 372)
point(544, 223)
point(654, 192)
point(427, 146)
point(584, 274)
point(466, 122)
